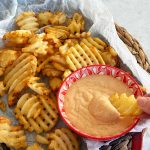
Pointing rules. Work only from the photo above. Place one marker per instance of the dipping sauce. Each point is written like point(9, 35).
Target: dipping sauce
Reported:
point(88, 107)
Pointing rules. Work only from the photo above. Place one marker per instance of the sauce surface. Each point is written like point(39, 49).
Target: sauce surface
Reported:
point(88, 107)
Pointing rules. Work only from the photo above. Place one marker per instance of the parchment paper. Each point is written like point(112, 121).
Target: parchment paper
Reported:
point(100, 23)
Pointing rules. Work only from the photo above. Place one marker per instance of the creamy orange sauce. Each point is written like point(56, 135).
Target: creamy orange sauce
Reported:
point(88, 107)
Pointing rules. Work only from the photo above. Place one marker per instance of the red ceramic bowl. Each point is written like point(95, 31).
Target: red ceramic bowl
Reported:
point(97, 70)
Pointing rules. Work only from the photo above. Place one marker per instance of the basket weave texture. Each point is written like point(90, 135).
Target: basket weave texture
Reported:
point(134, 47)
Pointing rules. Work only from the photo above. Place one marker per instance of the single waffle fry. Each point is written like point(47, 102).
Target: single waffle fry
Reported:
point(63, 139)
point(59, 33)
point(34, 146)
point(59, 59)
point(43, 18)
point(1, 71)
point(58, 18)
point(41, 139)
point(36, 45)
point(76, 25)
point(30, 106)
point(18, 37)
point(7, 57)
point(63, 49)
point(90, 42)
point(50, 71)
point(81, 56)
point(112, 51)
point(72, 42)
point(2, 88)
point(59, 66)
point(18, 74)
point(13, 136)
point(55, 83)
point(126, 105)
point(27, 21)
point(53, 41)
point(109, 59)
point(2, 106)
point(39, 88)
point(66, 73)
point(46, 119)
point(80, 35)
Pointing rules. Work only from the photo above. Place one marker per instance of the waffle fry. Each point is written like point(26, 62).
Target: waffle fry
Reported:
point(41, 139)
point(46, 119)
point(63, 139)
point(55, 83)
point(53, 41)
point(66, 73)
point(80, 35)
point(127, 106)
point(59, 33)
point(29, 106)
point(7, 57)
point(109, 59)
point(44, 18)
point(27, 21)
point(50, 71)
point(96, 42)
point(81, 56)
point(15, 81)
point(36, 45)
point(17, 37)
point(2, 71)
point(35, 146)
point(12, 136)
point(2, 88)
point(76, 25)
point(58, 18)
point(39, 88)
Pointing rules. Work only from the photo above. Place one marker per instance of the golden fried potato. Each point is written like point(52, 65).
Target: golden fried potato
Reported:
point(36, 45)
point(18, 37)
point(50, 71)
point(80, 56)
point(59, 66)
point(44, 18)
point(109, 59)
point(63, 139)
point(80, 35)
point(60, 139)
point(53, 41)
point(27, 21)
point(7, 57)
point(18, 75)
point(39, 88)
point(55, 83)
point(34, 146)
point(2, 88)
point(13, 136)
point(96, 42)
point(58, 18)
point(59, 33)
point(126, 105)
point(66, 73)
point(46, 119)
point(41, 139)
point(1, 71)
point(76, 25)
point(29, 106)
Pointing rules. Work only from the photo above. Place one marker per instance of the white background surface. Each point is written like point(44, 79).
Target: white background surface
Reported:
point(134, 15)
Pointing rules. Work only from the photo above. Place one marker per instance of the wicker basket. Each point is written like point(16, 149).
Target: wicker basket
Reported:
point(134, 47)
